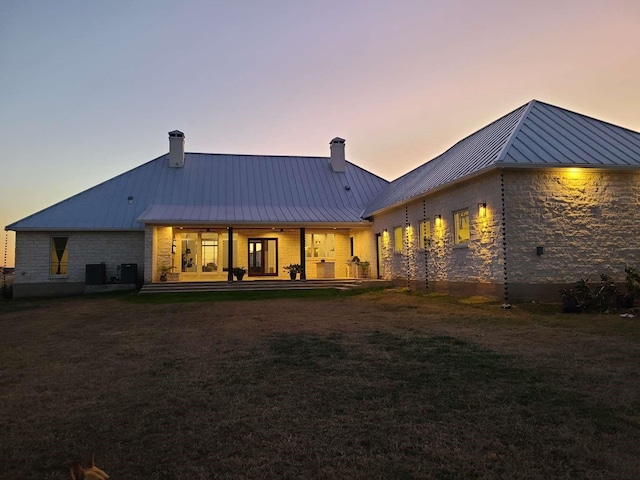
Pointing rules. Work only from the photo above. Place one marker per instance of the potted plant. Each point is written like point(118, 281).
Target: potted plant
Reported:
point(632, 282)
point(164, 270)
point(239, 272)
point(365, 269)
point(293, 269)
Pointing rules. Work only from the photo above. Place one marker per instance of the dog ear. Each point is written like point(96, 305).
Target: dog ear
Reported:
point(77, 472)
point(94, 473)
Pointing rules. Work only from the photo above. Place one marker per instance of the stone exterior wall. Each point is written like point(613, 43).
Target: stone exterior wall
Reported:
point(443, 265)
point(585, 220)
point(33, 259)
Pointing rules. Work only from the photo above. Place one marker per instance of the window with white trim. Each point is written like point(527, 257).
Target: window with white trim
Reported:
point(425, 234)
point(397, 239)
point(320, 245)
point(461, 230)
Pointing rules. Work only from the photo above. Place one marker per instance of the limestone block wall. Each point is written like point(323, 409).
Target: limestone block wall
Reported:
point(364, 247)
point(149, 253)
point(585, 220)
point(162, 247)
point(478, 261)
point(33, 259)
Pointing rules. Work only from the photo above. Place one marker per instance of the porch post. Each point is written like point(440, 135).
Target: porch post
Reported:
point(303, 274)
point(230, 255)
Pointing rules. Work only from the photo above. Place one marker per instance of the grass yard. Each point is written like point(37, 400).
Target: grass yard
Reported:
point(380, 385)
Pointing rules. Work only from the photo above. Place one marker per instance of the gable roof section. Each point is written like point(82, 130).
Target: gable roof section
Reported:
point(213, 188)
point(534, 135)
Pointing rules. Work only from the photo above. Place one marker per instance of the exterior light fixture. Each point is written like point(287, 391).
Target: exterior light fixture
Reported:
point(482, 210)
point(130, 199)
point(173, 246)
point(438, 219)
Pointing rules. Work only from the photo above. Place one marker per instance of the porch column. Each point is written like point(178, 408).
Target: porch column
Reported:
point(230, 255)
point(303, 274)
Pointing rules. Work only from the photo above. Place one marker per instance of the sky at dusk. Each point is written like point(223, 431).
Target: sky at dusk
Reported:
point(90, 89)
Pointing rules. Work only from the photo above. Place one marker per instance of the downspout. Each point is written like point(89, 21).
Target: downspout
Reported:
point(408, 250)
point(427, 243)
point(504, 240)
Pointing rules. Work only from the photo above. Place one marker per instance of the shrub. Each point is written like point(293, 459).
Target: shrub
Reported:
point(583, 297)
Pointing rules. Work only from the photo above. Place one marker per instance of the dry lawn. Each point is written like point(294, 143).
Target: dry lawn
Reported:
point(383, 385)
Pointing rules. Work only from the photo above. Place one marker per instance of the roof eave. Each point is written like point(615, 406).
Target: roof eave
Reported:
point(437, 189)
point(261, 225)
point(71, 229)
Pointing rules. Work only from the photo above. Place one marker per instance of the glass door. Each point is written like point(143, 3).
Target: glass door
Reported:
point(198, 255)
point(209, 253)
point(263, 256)
point(189, 253)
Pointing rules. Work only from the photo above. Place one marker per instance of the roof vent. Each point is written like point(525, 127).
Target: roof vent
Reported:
point(338, 162)
point(176, 149)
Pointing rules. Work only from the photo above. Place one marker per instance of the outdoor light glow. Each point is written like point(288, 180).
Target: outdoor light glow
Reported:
point(482, 210)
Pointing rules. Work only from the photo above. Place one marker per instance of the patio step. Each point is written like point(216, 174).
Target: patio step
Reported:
point(259, 285)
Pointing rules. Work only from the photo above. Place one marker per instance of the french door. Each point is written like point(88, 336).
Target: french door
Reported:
point(199, 254)
point(263, 257)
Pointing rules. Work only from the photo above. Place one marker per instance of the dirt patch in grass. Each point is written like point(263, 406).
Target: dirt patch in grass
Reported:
point(385, 385)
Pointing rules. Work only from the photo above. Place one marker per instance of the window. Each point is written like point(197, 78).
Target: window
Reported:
point(209, 252)
point(397, 239)
point(461, 227)
point(320, 245)
point(59, 255)
point(425, 234)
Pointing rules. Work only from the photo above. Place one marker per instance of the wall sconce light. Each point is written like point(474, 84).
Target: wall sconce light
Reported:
point(130, 199)
point(540, 250)
point(384, 230)
point(173, 246)
point(482, 210)
point(438, 219)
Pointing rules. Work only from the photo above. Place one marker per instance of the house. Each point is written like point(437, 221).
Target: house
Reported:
point(202, 215)
point(532, 202)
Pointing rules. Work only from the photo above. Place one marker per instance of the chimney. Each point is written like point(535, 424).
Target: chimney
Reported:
point(338, 163)
point(176, 149)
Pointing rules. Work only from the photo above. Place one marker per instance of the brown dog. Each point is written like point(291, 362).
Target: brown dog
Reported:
point(91, 473)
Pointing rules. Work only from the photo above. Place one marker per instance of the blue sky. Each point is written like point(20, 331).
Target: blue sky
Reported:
point(90, 89)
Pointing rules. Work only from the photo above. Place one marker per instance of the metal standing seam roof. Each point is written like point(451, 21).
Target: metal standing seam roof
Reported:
point(534, 135)
point(215, 188)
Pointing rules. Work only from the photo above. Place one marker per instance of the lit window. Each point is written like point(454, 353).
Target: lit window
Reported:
point(59, 255)
point(320, 245)
point(461, 226)
point(425, 233)
point(397, 239)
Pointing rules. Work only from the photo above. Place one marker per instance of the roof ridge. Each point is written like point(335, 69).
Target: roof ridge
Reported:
point(514, 133)
point(595, 119)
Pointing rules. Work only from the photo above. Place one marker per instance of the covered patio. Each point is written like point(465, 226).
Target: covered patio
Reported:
point(214, 253)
